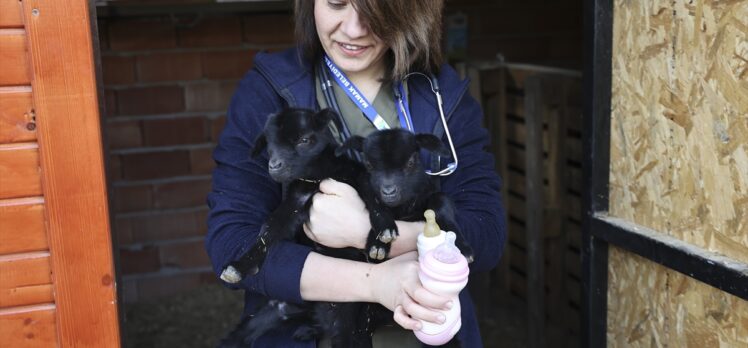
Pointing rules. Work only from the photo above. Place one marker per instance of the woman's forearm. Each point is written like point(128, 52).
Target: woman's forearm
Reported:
point(325, 278)
point(408, 237)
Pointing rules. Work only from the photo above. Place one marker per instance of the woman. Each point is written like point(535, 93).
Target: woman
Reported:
point(374, 44)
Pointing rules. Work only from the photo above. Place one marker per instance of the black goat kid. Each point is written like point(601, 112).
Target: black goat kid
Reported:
point(397, 180)
point(301, 153)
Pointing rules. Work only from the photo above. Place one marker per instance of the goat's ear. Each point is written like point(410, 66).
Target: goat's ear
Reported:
point(260, 144)
point(353, 143)
point(323, 118)
point(431, 143)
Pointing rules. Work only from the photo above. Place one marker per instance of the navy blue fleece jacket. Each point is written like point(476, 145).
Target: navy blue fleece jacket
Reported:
point(243, 194)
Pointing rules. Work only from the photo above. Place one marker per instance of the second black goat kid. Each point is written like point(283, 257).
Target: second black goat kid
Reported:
point(397, 180)
point(301, 152)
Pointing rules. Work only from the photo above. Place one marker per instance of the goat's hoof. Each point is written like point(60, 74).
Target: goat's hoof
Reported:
point(231, 275)
point(387, 236)
point(377, 253)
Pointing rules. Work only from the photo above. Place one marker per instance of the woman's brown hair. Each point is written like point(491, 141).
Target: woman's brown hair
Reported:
point(412, 29)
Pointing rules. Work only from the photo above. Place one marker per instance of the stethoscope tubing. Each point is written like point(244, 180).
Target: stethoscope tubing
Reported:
point(332, 102)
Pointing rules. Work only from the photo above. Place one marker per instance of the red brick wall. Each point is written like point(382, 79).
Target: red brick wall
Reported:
point(167, 86)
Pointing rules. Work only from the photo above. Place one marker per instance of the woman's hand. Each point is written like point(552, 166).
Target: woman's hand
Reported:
point(338, 217)
point(395, 285)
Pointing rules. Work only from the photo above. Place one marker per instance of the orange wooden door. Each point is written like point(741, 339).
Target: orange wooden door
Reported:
point(56, 272)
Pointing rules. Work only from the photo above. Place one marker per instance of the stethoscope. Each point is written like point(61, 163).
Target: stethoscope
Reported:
point(323, 74)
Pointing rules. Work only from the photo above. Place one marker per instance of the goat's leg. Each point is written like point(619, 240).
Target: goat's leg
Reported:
point(445, 210)
point(282, 224)
point(342, 323)
point(383, 227)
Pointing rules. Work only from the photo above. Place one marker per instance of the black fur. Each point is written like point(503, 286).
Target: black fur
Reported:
point(397, 181)
point(301, 153)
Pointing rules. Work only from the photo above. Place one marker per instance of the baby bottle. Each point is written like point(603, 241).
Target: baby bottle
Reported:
point(444, 271)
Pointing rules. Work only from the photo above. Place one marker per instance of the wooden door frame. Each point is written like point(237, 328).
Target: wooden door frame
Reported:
point(599, 230)
point(66, 98)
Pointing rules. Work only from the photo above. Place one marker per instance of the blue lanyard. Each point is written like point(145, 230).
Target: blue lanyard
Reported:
point(365, 106)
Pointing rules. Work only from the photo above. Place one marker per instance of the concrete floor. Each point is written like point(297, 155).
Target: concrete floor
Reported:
point(200, 317)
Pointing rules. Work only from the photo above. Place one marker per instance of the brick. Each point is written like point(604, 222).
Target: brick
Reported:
point(201, 161)
point(118, 70)
point(227, 64)
point(123, 231)
point(154, 288)
point(169, 67)
point(102, 29)
point(175, 131)
point(141, 166)
point(209, 96)
point(184, 255)
point(163, 226)
point(110, 98)
point(150, 100)
point(133, 198)
point(129, 291)
point(114, 168)
point(182, 194)
point(123, 134)
point(213, 31)
point(141, 34)
point(268, 29)
point(143, 260)
point(201, 218)
point(216, 126)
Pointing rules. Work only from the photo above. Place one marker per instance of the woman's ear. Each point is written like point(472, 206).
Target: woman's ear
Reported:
point(355, 143)
point(431, 143)
point(260, 144)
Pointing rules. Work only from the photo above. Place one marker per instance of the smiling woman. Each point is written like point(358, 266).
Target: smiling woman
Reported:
point(367, 47)
point(348, 42)
point(408, 33)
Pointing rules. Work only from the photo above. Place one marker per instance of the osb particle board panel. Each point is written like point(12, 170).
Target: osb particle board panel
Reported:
point(679, 128)
point(652, 306)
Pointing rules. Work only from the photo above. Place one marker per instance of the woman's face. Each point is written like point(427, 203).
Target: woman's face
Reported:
point(346, 40)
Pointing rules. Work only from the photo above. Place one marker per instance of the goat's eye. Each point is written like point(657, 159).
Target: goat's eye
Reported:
point(304, 141)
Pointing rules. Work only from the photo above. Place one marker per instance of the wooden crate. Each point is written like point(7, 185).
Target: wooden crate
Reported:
point(534, 117)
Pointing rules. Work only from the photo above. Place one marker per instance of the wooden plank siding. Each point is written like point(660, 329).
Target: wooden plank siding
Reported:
point(10, 14)
point(28, 327)
point(17, 120)
point(13, 58)
point(25, 279)
point(19, 171)
point(65, 99)
point(22, 226)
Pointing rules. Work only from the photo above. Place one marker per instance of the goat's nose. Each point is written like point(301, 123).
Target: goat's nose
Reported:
point(389, 190)
point(275, 164)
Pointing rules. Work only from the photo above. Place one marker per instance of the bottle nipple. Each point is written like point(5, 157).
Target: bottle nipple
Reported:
point(447, 252)
point(431, 229)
